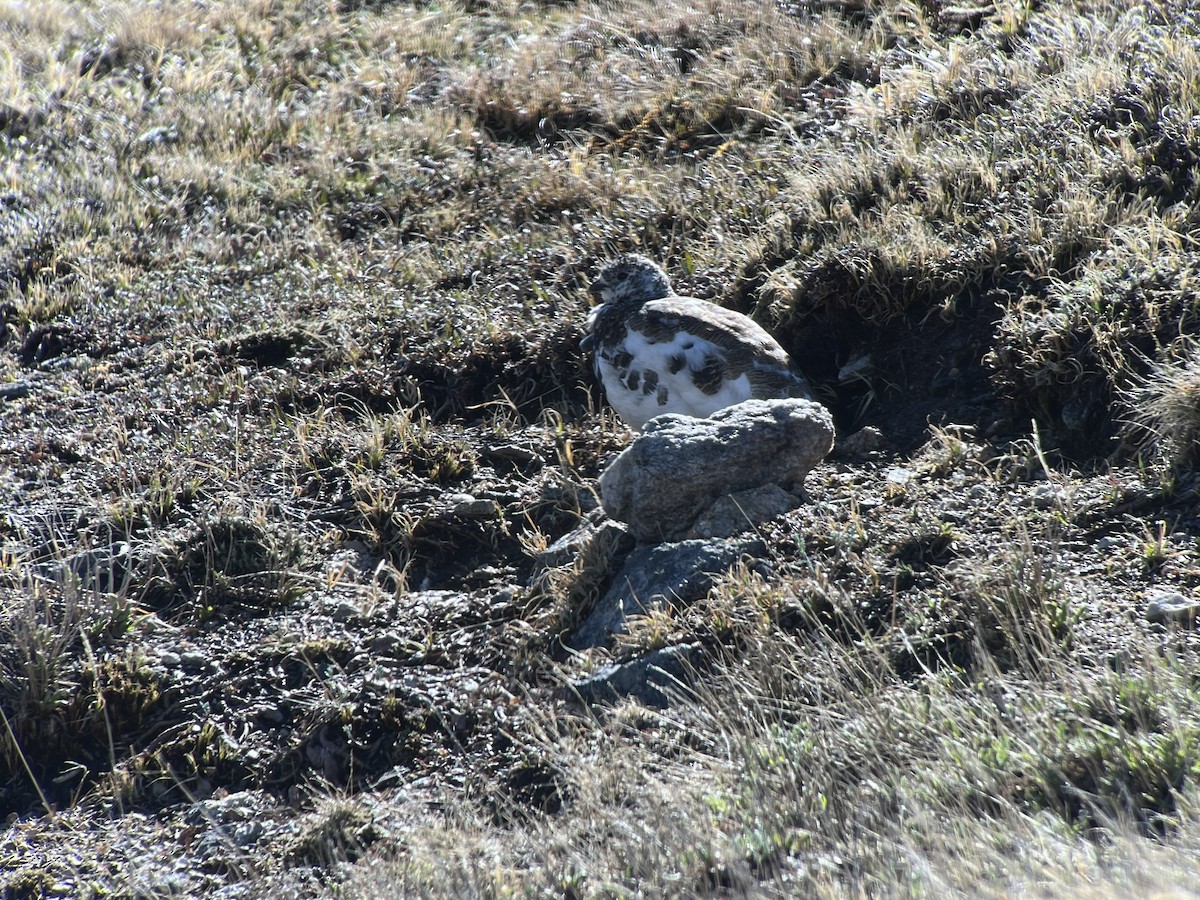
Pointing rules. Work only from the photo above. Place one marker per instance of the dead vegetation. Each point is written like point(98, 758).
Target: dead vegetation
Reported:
point(291, 404)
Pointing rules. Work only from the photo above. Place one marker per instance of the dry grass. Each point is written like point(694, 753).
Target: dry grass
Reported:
point(290, 299)
point(810, 767)
point(1164, 407)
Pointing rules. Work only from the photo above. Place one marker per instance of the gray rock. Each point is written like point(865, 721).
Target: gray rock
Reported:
point(861, 444)
point(353, 562)
point(389, 643)
point(345, 611)
point(1046, 496)
point(468, 506)
point(14, 390)
point(1172, 608)
point(102, 569)
point(646, 679)
point(679, 466)
point(856, 369)
point(233, 821)
point(741, 511)
point(237, 807)
point(194, 660)
point(572, 544)
point(513, 453)
point(654, 576)
point(156, 137)
point(587, 555)
point(270, 714)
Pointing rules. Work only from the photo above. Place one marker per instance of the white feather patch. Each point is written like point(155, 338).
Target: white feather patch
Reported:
point(637, 406)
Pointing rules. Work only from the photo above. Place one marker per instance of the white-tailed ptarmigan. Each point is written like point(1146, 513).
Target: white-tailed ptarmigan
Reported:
point(657, 352)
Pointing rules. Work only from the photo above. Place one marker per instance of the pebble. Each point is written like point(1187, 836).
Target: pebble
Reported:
point(63, 363)
point(1045, 496)
point(247, 834)
point(344, 611)
point(155, 137)
point(271, 715)
point(467, 506)
point(862, 442)
point(389, 643)
point(513, 453)
point(14, 390)
point(855, 368)
point(1168, 607)
point(194, 659)
point(1182, 538)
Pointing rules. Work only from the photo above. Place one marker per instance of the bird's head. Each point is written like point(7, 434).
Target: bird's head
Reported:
point(630, 278)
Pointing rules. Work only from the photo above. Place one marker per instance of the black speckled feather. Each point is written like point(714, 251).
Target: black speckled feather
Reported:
point(656, 351)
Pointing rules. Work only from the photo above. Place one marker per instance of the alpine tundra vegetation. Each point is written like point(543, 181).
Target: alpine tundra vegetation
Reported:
point(299, 520)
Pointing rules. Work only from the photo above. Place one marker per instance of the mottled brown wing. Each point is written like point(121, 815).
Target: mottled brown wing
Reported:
point(740, 336)
point(745, 345)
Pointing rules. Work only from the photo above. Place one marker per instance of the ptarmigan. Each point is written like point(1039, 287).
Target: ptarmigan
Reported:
point(657, 352)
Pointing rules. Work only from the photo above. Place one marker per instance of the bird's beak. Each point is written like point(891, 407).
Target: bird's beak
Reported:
point(596, 292)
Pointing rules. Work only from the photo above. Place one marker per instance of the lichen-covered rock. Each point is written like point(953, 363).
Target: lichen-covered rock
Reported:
point(678, 467)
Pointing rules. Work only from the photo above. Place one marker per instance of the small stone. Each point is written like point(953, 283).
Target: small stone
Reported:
point(898, 476)
point(646, 679)
point(155, 137)
point(102, 569)
point(1044, 496)
point(862, 443)
point(467, 506)
point(742, 511)
point(63, 363)
point(572, 544)
point(657, 575)
point(170, 660)
point(513, 453)
point(193, 659)
point(14, 390)
point(1168, 607)
point(390, 644)
point(1108, 542)
point(227, 809)
point(247, 834)
point(855, 369)
point(344, 611)
point(270, 715)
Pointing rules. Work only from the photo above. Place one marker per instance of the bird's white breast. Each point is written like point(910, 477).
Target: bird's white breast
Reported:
point(636, 404)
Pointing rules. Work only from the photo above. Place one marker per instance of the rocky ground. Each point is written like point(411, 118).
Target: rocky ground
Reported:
point(308, 587)
point(254, 683)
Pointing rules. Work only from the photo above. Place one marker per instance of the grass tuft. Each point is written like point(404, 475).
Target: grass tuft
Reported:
point(1164, 408)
